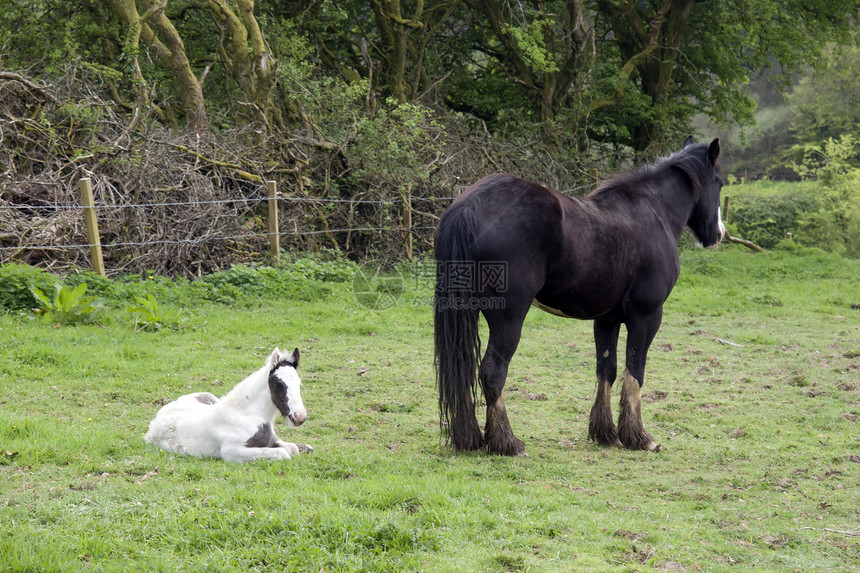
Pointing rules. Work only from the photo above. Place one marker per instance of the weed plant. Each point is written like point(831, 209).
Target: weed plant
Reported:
point(752, 388)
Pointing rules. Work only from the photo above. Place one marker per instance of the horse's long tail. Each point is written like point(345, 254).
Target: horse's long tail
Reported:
point(455, 324)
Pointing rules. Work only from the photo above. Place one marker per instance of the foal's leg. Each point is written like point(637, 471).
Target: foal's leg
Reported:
point(241, 453)
point(294, 449)
point(505, 330)
point(640, 334)
point(601, 428)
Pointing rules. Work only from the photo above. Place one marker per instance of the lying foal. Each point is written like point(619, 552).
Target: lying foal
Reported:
point(238, 427)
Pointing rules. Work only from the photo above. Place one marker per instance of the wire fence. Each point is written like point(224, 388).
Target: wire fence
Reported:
point(247, 204)
point(147, 234)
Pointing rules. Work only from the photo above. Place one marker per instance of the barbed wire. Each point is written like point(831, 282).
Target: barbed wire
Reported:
point(210, 239)
point(102, 206)
point(245, 201)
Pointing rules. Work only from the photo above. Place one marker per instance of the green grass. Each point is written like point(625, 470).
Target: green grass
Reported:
point(759, 472)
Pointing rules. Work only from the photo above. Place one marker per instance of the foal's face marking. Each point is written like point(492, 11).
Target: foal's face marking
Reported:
point(284, 385)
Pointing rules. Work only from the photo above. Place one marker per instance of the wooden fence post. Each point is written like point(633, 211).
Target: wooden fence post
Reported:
point(726, 209)
point(86, 186)
point(272, 219)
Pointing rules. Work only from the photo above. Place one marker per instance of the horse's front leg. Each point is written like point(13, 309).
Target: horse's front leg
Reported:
point(241, 453)
point(296, 448)
point(640, 334)
point(601, 427)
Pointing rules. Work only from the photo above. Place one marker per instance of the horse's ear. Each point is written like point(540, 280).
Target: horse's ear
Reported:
point(688, 141)
point(714, 151)
point(294, 358)
point(274, 357)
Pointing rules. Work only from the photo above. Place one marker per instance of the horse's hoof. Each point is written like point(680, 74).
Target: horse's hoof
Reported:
point(512, 446)
point(605, 438)
point(305, 448)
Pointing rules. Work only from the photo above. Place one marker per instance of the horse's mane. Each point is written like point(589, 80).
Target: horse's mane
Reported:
point(692, 161)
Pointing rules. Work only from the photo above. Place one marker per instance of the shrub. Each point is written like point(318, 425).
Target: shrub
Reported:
point(68, 306)
point(15, 283)
point(765, 219)
point(240, 284)
point(334, 271)
point(149, 315)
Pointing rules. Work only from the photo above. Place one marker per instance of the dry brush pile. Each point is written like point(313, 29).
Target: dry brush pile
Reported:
point(185, 205)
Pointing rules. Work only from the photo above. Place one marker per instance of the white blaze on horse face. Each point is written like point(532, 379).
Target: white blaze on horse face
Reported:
point(721, 227)
point(290, 378)
point(721, 230)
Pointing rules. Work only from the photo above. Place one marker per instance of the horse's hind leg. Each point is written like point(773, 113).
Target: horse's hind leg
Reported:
point(601, 428)
point(505, 330)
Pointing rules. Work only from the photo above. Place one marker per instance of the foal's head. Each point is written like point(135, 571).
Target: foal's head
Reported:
point(284, 386)
point(705, 220)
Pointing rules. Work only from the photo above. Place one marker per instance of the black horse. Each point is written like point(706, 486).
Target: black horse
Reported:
point(507, 244)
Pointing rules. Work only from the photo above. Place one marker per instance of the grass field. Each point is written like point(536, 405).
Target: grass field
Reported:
point(752, 387)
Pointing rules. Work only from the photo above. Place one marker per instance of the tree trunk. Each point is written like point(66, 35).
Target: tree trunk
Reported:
point(396, 35)
point(549, 88)
point(249, 59)
point(652, 46)
point(159, 33)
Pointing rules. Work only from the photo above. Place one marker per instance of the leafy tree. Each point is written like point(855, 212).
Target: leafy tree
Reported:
point(240, 48)
point(836, 225)
point(540, 46)
point(43, 36)
point(644, 69)
point(629, 73)
point(156, 30)
point(825, 103)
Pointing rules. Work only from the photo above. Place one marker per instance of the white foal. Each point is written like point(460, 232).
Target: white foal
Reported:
point(238, 427)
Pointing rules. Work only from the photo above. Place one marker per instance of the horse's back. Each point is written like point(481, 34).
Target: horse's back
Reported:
point(507, 196)
point(512, 216)
point(178, 426)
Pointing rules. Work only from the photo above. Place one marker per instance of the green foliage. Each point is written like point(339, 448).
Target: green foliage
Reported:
point(329, 268)
point(299, 278)
point(243, 285)
point(835, 225)
point(531, 41)
point(824, 101)
point(818, 215)
point(150, 316)
point(68, 306)
point(16, 281)
point(310, 96)
point(394, 145)
point(50, 33)
point(765, 212)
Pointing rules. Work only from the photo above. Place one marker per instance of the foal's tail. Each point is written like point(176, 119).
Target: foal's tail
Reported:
point(455, 325)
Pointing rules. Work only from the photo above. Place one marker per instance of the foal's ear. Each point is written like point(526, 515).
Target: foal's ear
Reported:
point(274, 357)
point(688, 141)
point(714, 151)
point(294, 358)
